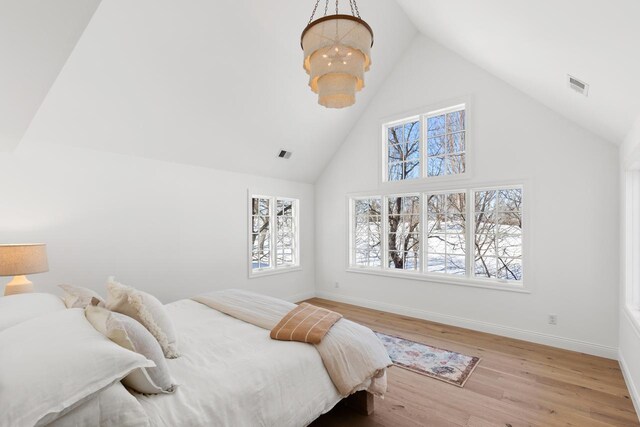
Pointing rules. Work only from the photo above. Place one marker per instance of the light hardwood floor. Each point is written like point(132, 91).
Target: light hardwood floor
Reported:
point(517, 383)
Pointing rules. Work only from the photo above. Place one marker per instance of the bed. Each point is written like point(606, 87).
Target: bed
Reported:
point(229, 372)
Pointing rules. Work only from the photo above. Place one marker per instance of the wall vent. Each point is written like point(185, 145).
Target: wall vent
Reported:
point(284, 154)
point(578, 85)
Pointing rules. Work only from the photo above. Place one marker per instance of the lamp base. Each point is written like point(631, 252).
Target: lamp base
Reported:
point(19, 285)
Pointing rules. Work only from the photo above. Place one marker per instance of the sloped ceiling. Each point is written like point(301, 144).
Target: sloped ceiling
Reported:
point(218, 84)
point(36, 38)
point(533, 45)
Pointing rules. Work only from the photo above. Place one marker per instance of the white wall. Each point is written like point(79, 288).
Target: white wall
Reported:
point(629, 335)
point(568, 171)
point(170, 229)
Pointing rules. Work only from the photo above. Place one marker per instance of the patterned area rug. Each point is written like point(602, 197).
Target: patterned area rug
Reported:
point(444, 365)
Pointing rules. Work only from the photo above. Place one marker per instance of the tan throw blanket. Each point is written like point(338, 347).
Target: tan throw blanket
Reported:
point(353, 356)
point(305, 323)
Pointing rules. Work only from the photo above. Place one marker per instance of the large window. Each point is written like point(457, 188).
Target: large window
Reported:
point(273, 234)
point(428, 145)
point(473, 235)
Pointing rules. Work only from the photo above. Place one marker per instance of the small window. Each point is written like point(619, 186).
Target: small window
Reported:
point(403, 230)
point(498, 234)
point(446, 233)
point(446, 143)
point(403, 147)
point(367, 232)
point(426, 146)
point(274, 233)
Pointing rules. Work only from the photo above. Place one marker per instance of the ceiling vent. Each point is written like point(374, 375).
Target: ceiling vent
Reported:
point(284, 154)
point(578, 85)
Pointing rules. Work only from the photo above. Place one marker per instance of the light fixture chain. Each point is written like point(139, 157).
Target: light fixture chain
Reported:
point(337, 6)
point(353, 13)
point(355, 5)
point(314, 11)
point(326, 7)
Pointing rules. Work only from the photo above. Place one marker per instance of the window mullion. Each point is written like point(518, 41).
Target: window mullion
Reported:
point(471, 232)
point(274, 231)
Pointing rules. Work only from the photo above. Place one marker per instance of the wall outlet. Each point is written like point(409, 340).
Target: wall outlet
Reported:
point(553, 319)
point(336, 285)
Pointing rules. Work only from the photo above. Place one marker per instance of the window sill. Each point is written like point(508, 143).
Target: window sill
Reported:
point(274, 271)
point(472, 283)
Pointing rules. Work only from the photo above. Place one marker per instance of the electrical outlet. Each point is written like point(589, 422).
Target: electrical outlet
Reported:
point(336, 285)
point(553, 319)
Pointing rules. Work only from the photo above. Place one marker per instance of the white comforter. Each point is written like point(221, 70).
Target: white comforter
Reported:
point(230, 373)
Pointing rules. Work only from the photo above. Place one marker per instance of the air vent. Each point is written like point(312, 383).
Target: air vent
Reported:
point(578, 85)
point(284, 154)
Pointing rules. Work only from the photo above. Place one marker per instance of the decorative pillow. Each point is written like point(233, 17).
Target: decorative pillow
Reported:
point(128, 333)
point(79, 297)
point(15, 309)
point(51, 364)
point(112, 407)
point(146, 309)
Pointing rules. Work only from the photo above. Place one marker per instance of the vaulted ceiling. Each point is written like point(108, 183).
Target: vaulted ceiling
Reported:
point(36, 38)
point(220, 83)
point(533, 45)
point(217, 84)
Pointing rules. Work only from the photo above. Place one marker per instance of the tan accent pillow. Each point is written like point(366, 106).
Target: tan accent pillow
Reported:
point(147, 310)
point(128, 333)
point(79, 297)
point(305, 323)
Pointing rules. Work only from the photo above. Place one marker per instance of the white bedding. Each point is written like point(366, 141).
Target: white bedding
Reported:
point(230, 373)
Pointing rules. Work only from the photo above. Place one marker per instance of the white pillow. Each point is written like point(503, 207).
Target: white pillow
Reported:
point(17, 308)
point(147, 310)
point(112, 407)
point(130, 334)
point(55, 362)
point(79, 297)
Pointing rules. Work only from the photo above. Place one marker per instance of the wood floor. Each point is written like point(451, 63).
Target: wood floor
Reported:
point(517, 383)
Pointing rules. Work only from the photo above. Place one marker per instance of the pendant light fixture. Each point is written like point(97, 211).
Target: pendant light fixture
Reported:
point(336, 55)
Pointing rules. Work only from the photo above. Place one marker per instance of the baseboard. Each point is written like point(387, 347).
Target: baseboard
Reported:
point(301, 296)
point(633, 391)
point(492, 328)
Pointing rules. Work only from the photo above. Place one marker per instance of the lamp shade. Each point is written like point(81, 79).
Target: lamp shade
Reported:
point(18, 260)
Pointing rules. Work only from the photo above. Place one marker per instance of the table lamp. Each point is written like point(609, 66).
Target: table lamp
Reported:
point(20, 260)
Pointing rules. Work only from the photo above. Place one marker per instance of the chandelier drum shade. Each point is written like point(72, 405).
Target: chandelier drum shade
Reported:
point(337, 53)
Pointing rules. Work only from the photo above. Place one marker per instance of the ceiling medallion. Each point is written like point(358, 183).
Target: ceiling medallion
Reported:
point(336, 55)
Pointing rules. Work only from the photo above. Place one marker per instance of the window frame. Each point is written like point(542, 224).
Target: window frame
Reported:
point(422, 114)
point(273, 268)
point(469, 279)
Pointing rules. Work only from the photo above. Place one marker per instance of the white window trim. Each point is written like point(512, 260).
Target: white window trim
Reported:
point(523, 286)
point(421, 114)
point(274, 269)
point(632, 242)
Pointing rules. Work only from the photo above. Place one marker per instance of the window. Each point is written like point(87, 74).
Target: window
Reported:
point(403, 145)
point(425, 146)
point(498, 234)
point(446, 233)
point(273, 234)
point(474, 235)
point(367, 226)
point(403, 226)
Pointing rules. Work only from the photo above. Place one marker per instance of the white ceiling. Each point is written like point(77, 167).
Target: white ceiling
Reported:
point(533, 45)
point(36, 38)
point(220, 84)
point(211, 83)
